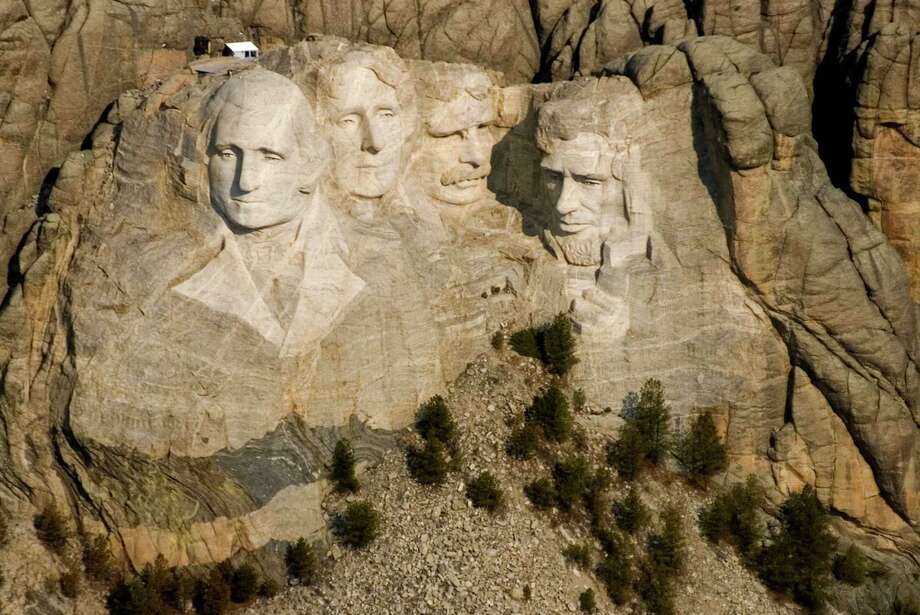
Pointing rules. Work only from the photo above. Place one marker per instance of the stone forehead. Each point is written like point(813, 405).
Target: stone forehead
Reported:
point(583, 107)
point(454, 96)
point(444, 82)
point(267, 98)
point(382, 61)
point(258, 89)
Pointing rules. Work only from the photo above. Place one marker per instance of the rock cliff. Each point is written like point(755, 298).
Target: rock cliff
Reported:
point(246, 262)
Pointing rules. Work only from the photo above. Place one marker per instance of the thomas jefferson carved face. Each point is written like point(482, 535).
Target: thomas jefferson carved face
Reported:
point(587, 199)
point(456, 146)
point(366, 122)
point(257, 169)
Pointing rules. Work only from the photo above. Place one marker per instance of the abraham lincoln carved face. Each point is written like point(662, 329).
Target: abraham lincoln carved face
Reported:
point(582, 178)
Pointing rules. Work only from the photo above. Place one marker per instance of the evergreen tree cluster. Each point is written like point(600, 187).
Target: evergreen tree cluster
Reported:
point(547, 419)
point(798, 558)
point(161, 590)
point(302, 563)
point(643, 438)
point(732, 517)
point(358, 525)
point(700, 451)
point(551, 343)
point(664, 562)
point(343, 467)
point(430, 463)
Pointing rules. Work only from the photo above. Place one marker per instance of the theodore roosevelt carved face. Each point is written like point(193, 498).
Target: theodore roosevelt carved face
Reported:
point(262, 153)
point(582, 170)
point(367, 103)
point(458, 106)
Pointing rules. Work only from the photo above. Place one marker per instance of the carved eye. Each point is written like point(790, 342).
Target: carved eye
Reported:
point(588, 181)
point(386, 113)
point(273, 156)
point(227, 154)
point(551, 177)
point(348, 121)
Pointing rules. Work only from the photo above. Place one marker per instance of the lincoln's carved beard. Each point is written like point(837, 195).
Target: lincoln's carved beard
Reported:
point(582, 249)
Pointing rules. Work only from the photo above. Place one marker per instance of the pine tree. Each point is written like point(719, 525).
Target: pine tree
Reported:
point(798, 561)
point(484, 491)
point(434, 421)
point(557, 346)
point(551, 411)
point(627, 453)
point(631, 514)
point(428, 465)
point(615, 571)
point(358, 525)
point(652, 419)
point(700, 451)
point(51, 529)
point(524, 342)
point(343, 467)
point(301, 562)
point(244, 583)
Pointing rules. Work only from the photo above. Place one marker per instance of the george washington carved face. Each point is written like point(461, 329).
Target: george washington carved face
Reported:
point(261, 160)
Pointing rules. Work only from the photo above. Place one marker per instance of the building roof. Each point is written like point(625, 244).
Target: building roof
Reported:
point(242, 46)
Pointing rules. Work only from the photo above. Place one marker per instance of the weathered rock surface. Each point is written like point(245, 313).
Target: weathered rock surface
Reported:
point(65, 62)
point(886, 141)
point(216, 296)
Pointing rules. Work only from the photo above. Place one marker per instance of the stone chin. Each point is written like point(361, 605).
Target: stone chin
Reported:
point(369, 182)
point(257, 215)
point(580, 250)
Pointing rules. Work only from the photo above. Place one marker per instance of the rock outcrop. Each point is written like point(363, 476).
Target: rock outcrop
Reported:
point(251, 261)
point(66, 62)
point(886, 141)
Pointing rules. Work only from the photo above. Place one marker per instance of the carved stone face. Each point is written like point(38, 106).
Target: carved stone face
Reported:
point(366, 131)
point(586, 198)
point(455, 150)
point(256, 168)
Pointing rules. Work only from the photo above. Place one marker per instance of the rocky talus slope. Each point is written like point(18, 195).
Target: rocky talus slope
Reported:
point(438, 554)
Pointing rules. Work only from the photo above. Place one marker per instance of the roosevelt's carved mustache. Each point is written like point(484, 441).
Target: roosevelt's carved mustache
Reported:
point(459, 174)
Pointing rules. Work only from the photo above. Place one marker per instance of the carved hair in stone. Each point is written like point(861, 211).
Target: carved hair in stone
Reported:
point(366, 102)
point(263, 152)
point(584, 149)
point(458, 106)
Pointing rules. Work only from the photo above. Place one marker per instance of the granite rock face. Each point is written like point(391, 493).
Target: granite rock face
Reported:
point(66, 61)
point(253, 260)
point(886, 141)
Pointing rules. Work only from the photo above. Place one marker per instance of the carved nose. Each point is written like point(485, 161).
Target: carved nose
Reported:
point(568, 197)
point(250, 174)
point(371, 140)
point(472, 152)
